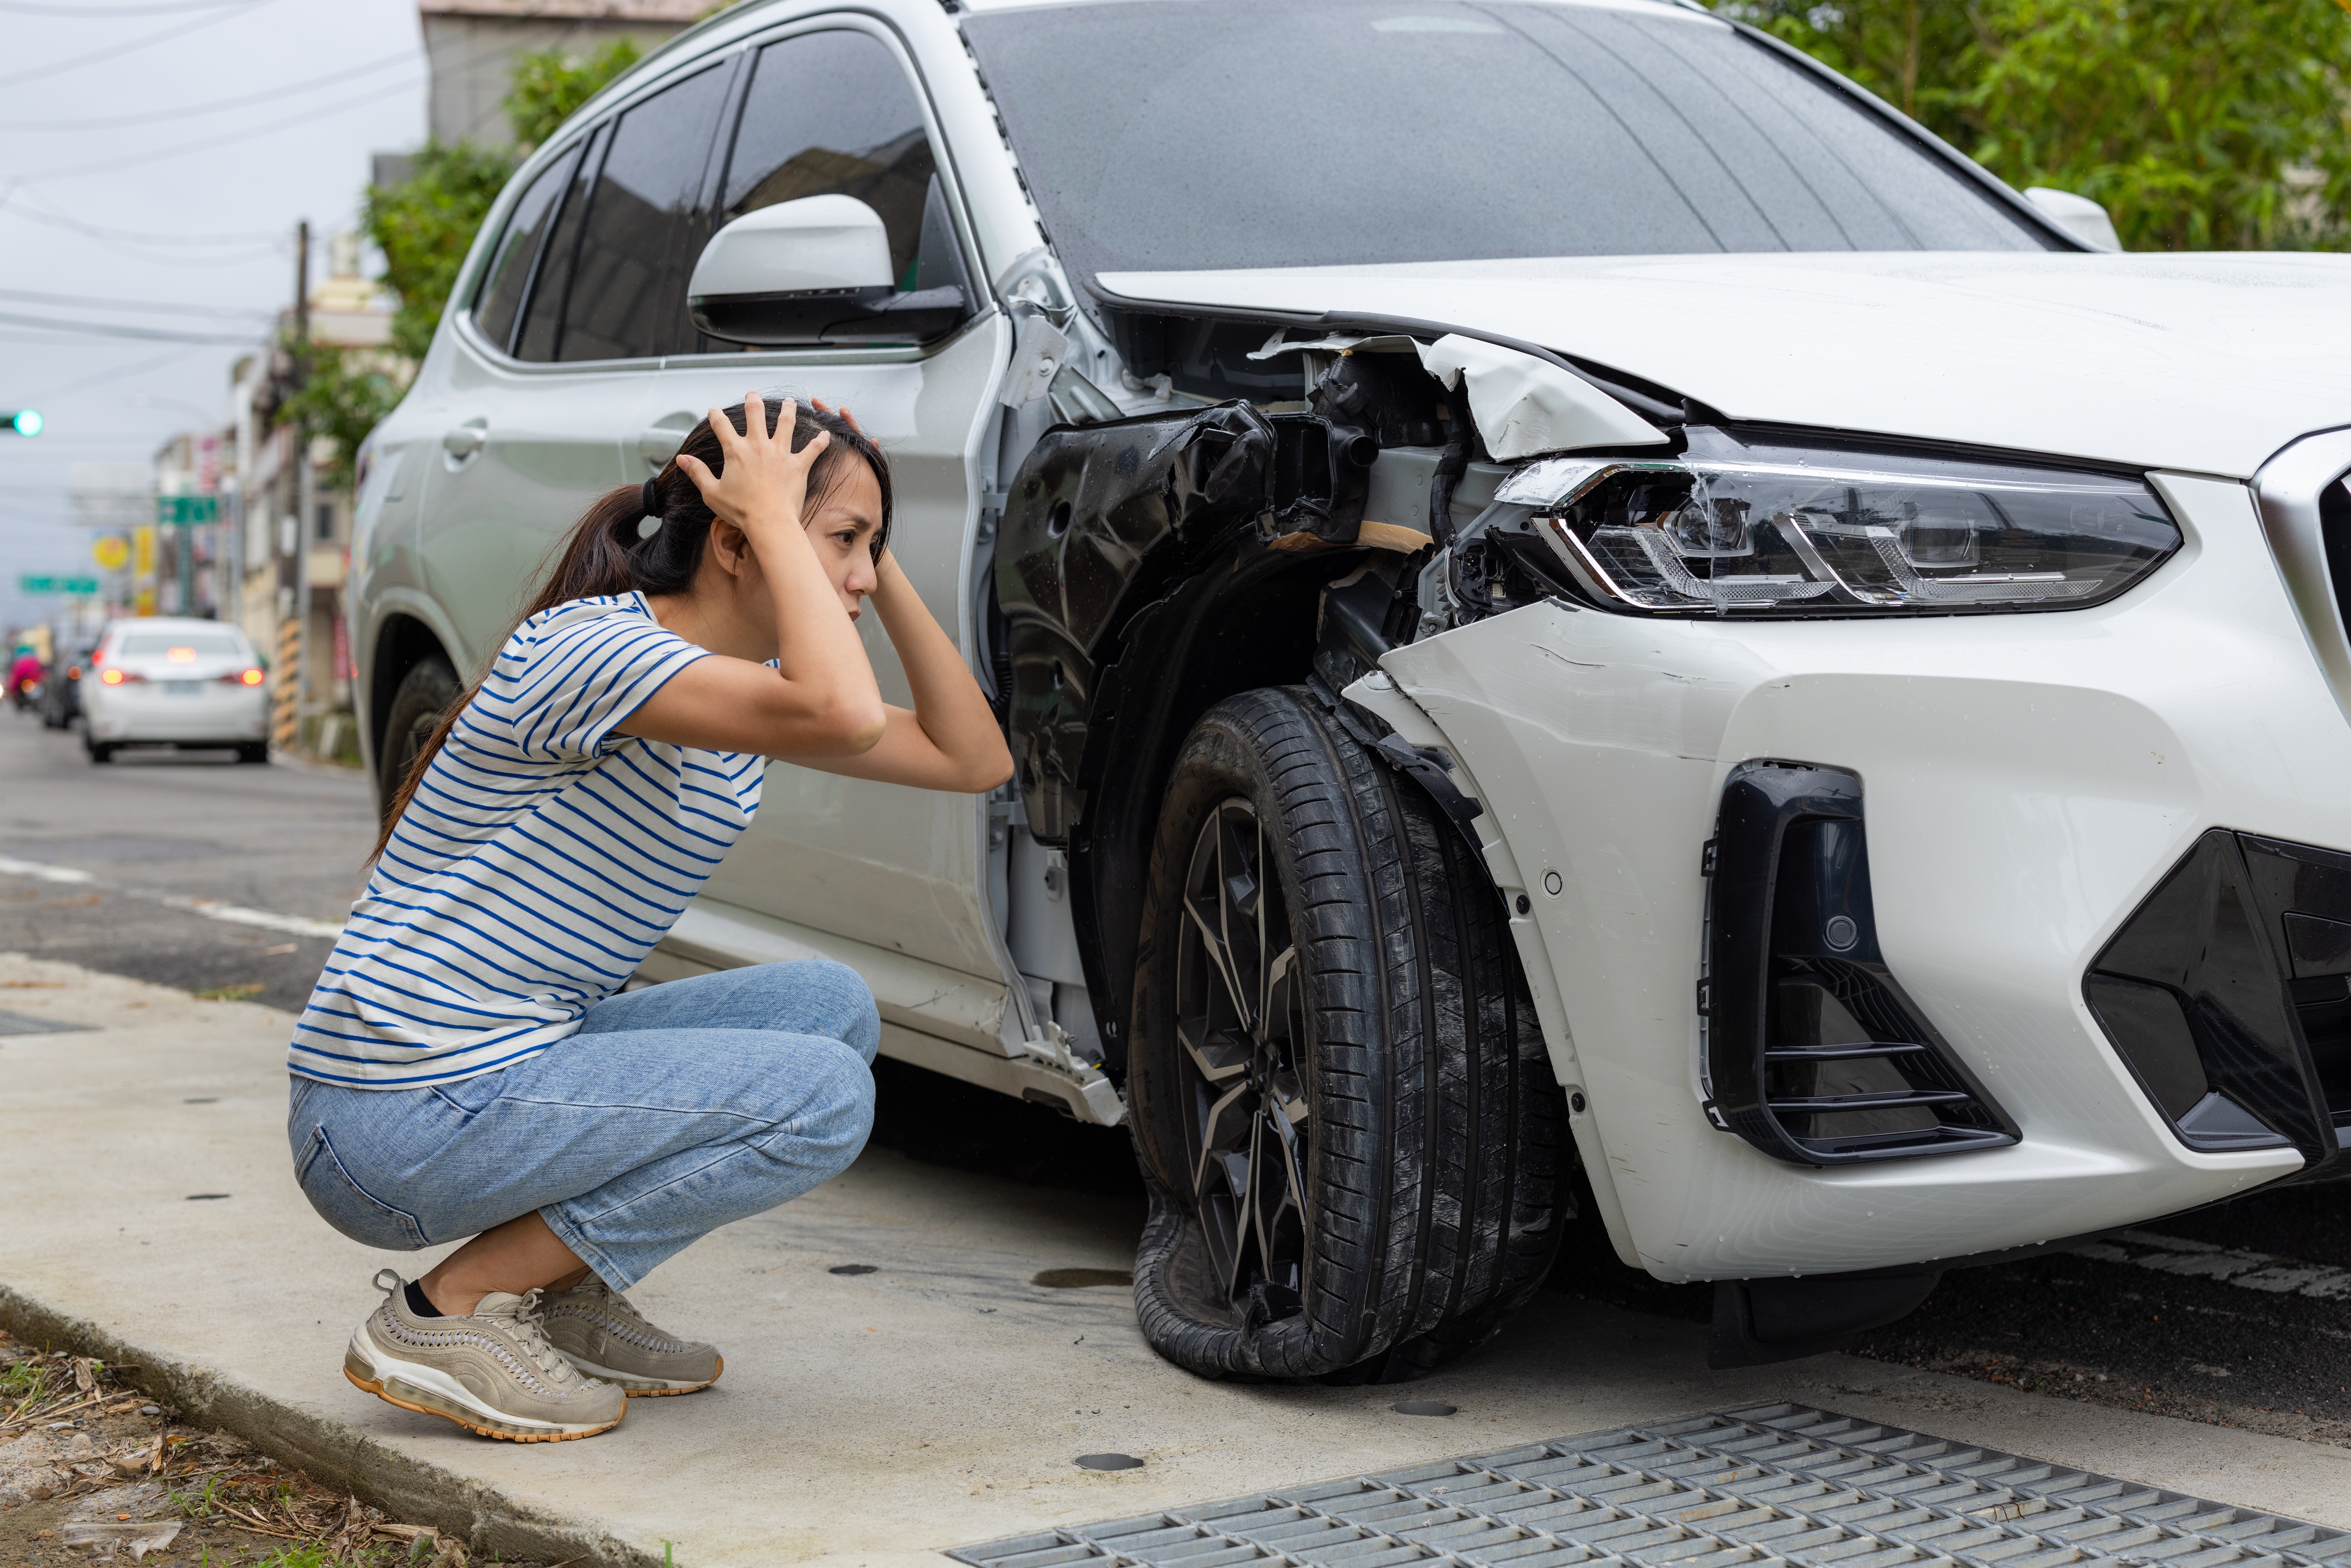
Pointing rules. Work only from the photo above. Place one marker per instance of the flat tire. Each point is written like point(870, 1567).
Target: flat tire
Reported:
point(1355, 1150)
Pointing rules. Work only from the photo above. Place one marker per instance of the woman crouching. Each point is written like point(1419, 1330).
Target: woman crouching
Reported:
point(465, 1067)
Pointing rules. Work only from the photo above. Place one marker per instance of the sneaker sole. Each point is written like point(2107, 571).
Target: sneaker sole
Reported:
point(646, 1387)
point(414, 1392)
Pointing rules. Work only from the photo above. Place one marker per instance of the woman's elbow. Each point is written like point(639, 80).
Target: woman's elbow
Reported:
point(846, 728)
point(865, 727)
point(985, 773)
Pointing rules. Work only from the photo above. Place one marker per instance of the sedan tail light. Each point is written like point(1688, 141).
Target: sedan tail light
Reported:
point(242, 678)
point(119, 677)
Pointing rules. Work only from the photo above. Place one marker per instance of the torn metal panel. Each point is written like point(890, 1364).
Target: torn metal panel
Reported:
point(1524, 406)
point(1086, 518)
point(1037, 358)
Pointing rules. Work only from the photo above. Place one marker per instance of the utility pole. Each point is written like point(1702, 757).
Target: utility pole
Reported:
point(289, 715)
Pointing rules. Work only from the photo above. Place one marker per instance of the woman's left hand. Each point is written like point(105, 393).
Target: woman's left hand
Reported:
point(950, 739)
point(847, 418)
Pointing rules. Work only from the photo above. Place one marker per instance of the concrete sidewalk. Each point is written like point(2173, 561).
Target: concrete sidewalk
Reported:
point(872, 1420)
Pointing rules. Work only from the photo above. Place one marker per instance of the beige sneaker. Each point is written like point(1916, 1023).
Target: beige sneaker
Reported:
point(604, 1337)
point(493, 1373)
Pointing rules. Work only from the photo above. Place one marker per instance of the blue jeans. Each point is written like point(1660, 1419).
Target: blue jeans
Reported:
point(673, 1110)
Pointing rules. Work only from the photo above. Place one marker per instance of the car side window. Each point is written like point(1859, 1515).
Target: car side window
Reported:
point(832, 113)
point(507, 278)
point(645, 224)
point(543, 312)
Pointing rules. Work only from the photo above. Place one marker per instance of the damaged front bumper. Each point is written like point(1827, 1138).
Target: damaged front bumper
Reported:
point(2031, 781)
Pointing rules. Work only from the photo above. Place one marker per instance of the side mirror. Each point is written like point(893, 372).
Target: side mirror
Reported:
point(2077, 215)
point(812, 271)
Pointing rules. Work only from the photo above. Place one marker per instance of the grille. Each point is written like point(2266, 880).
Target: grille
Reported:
point(1779, 1484)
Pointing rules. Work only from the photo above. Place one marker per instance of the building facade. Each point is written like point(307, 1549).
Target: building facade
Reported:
point(470, 47)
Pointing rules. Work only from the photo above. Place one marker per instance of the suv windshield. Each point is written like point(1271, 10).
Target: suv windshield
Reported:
point(1162, 135)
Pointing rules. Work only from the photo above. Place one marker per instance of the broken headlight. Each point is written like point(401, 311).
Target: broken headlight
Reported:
point(1749, 531)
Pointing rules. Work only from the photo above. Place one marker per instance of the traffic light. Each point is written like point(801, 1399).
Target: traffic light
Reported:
point(24, 420)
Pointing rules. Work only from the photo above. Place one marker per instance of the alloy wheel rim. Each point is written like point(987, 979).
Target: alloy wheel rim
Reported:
point(1241, 1032)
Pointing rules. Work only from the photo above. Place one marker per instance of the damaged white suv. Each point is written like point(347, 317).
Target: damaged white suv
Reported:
point(1571, 592)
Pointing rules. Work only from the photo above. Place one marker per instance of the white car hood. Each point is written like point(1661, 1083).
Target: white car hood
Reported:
point(2201, 362)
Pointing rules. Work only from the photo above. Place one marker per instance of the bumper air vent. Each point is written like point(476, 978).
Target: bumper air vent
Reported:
point(1813, 1052)
point(2229, 994)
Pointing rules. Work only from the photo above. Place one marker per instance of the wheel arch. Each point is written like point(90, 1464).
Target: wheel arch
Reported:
point(404, 640)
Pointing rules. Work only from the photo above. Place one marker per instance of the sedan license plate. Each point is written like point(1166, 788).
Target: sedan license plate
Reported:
point(182, 688)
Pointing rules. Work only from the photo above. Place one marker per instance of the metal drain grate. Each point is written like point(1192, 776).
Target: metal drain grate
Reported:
point(1775, 1484)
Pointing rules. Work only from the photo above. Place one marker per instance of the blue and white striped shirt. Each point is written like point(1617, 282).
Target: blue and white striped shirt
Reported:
point(540, 860)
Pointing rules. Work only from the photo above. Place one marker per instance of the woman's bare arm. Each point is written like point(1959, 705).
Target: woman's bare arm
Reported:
point(950, 740)
point(820, 699)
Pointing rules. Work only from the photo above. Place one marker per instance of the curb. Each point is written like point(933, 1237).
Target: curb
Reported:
point(411, 1490)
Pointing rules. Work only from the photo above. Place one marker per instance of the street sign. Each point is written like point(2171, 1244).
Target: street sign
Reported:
point(111, 551)
point(28, 584)
point(186, 510)
point(79, 587)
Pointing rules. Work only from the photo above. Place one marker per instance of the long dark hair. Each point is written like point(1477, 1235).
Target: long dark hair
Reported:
point(607, 552)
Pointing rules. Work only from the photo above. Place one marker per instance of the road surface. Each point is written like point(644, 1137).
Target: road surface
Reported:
point(196, 873)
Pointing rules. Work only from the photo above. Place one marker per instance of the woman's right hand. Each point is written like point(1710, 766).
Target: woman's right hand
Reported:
point(763, 482)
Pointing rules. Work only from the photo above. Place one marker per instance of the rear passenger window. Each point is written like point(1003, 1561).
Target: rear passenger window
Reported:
point(645, 225)
point(829, 113)
point(543, 316)
point(510, 272)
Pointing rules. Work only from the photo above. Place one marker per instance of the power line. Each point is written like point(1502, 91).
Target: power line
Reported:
point(121, 372)
point(112, 329)
point(90, 302)
point(193, 109)
point(116, 51)
point(270, 237)
point(94, 14)
point(142, 158)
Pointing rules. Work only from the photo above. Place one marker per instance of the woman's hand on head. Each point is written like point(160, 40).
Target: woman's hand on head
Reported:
point(763, 482)
point(847, 418)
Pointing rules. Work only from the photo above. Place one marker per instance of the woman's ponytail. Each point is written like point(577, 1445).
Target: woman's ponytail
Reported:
point(609, 551)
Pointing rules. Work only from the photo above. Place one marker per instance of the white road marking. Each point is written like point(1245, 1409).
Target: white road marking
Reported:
point(45, 873)
point(237, 915)
point(2203, 1260)
point(210, 908)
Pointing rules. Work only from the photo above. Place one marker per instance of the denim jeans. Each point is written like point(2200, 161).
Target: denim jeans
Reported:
point(673, 1110)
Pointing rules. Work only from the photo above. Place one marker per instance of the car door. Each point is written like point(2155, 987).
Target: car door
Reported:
point(584, 294)
point(834, 107)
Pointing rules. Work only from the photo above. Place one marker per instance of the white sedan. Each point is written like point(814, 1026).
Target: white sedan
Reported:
point(187, 683)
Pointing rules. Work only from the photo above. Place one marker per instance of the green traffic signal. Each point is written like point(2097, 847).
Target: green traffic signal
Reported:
point(26, 421)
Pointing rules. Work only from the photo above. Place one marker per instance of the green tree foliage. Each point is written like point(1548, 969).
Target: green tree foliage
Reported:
point(2200, 124)
point(346, 394)
point(550, 85)
point(425, 226)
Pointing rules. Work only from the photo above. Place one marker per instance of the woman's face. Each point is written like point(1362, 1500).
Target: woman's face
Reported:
point(842, 531)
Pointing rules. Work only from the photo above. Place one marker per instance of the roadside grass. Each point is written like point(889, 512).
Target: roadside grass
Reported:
point(236, 1508)
point(229, 993)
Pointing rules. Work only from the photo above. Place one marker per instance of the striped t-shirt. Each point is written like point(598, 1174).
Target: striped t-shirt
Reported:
point(540, 859)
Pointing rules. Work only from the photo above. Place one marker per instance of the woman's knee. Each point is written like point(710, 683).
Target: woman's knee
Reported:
point(837, 1116)
point(846, 1002)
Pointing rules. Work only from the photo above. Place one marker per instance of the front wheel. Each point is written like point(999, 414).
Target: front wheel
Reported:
point(422, 695)
point(100, 752)
point(1344, 1110)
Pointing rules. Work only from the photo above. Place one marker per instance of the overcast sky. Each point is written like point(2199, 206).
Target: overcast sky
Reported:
point(190, 135)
